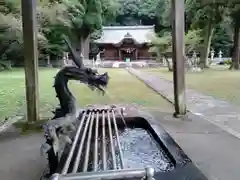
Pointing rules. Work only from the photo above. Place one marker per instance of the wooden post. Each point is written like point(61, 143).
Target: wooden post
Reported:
point(178, 49)
point(119, 54)
point(31, 59)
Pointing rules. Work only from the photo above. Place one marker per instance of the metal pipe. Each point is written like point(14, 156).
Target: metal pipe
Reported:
point(95, 158)
point(85, 164)
point(111, 141)
point(104, 143)
point(121, 115)
point(147, 173)
point(78, 158)
point(69, 158)
point(118, 141)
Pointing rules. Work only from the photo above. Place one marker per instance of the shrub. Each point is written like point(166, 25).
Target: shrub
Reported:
point(228, 62)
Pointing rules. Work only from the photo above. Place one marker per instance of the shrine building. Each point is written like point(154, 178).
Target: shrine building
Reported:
point(126, 43)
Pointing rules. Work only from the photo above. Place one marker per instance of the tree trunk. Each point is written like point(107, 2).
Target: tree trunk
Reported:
point(81, 45)
point(84, 46)
point(170, 67)
point(206, 46)
point(236, 46)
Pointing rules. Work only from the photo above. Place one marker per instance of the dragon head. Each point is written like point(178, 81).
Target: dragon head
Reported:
point(96, 80)
point(86, 75)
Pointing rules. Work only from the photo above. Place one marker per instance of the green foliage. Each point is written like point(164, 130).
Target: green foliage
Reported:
point(223, 39)
point(10, 36)
point(228, 62)
point(163, 45)
point(192, 40)
point(10, 6)
point(150, 9)
point(85, 16)
point(76, 18)
point(128, 12)
point(146, 12)
point(109, 11)
point(93, 17)
point(213, 16)
point(199, 14)
point(81, 18)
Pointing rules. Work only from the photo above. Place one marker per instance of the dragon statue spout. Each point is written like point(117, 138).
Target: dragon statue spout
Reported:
point(66, 115)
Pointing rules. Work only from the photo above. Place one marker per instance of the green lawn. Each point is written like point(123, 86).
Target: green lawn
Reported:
point(123, 88)
point(218, 82)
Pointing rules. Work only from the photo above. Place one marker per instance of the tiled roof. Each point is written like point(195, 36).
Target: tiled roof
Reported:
point(115, 34)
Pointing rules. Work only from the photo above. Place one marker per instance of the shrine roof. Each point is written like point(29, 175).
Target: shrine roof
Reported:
point(115, 34)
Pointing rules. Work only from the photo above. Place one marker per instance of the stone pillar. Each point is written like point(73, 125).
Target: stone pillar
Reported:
point(220, 56)
point(194, 57)
point(212, 55)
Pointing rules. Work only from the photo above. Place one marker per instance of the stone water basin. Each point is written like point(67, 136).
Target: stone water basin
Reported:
point(137, 142)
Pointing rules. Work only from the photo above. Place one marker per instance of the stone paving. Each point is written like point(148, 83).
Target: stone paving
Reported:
point(213, 150)
point(221, 113)
point(20, 158)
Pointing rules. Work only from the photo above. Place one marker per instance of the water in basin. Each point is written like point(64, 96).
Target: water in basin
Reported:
point(138, 147)
point(140, 150)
